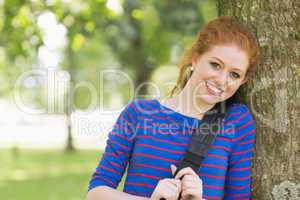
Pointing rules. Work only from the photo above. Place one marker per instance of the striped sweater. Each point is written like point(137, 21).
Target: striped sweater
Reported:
point(148, 137)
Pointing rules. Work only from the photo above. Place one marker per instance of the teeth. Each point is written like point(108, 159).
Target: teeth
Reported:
point(217, 90)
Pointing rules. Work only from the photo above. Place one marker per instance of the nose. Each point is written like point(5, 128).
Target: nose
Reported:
point(222, 80)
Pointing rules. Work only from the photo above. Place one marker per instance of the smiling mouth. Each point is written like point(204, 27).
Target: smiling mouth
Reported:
point(213, 90)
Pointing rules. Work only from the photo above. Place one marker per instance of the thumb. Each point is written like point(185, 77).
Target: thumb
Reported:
point(173, 169)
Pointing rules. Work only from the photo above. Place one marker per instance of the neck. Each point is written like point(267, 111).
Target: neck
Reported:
point(187, 103)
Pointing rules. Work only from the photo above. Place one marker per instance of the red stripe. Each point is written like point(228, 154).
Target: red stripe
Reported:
point(238, 119)
point(190, 128)
point(213, 186)
point(237, 195)
point(223, 138)
point(247, 142)
point(120, 135)
point(244, 125)
point(168, 129)
point(223, 131)
point(161, 140)
point(239, 178)
point(217, 156)
point(115, 155)
point(212, 197)
point(240, 169)
point(212, 176)
point(157, 130)
point(159, 148)
point(127, 122)
point(108, 169)
point(144, 175)
point(140, 184)
point(237, 187)
point(123, 153)
point(129, 114)
point(119, 126)
point(242, 152)
point(222, 147)
point(134, 108)
point(156, 157)
point(111, 154)
point(120, 145)
point(116, 165)
point(104, 179)
point(213, 166)
point(143, 127)
point(244, 135)
point(151, 102)
point(244, 159)
point(151, 166)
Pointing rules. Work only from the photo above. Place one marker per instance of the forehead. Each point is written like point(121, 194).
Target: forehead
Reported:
point(230, 55)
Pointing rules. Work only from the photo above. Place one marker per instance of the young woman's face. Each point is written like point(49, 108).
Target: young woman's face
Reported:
point(218, 73)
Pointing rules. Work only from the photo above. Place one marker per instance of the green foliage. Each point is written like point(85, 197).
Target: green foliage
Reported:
point(140, 36)
point(46, 174)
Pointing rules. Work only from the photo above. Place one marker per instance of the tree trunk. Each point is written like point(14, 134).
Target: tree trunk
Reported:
point(69, 107)
point(273, 95)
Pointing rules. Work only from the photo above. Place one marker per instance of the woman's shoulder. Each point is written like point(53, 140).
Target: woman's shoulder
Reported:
point(239, 114)
point(240, 121)
point(140, 105)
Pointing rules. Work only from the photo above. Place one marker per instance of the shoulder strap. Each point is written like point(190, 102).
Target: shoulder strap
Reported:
point(203, 137)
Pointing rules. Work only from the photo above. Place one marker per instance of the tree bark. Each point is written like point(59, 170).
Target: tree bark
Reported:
point(273, 95)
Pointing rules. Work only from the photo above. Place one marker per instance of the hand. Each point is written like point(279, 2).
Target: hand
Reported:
point(191, 184)
point(167, 188)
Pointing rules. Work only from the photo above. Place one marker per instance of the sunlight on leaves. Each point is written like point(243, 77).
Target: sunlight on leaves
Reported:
point(78, 41)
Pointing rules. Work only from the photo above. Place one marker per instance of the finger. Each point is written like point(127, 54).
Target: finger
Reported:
point(173, 169)
point(191, 182)
point(188, 193)
point(189, 177)
point(190, 185)
point(177, 183)
point(168, 193)
point(174, 184)
point(184, 172)
point(185, 195)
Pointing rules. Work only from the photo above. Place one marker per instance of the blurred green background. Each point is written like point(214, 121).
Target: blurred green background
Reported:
point(68, 66)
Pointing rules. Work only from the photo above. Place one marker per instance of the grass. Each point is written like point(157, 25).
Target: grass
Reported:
point(49, 175)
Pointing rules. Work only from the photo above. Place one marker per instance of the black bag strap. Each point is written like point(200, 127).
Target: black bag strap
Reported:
point(203, 137)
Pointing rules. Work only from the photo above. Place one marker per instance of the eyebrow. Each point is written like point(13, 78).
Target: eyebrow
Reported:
point(224, 64)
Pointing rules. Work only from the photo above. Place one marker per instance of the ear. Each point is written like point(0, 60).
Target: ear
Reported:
point(194, 59)
point(245, 80)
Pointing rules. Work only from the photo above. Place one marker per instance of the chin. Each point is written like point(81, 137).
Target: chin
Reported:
point(209, 99)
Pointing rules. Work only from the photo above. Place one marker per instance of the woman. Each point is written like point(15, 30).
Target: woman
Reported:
point(150, 136)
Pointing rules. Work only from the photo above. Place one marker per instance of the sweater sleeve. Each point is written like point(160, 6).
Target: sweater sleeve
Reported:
point(238, 177)
point(117, 152)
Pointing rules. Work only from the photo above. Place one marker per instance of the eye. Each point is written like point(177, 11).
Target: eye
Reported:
point(215, 65)
point(235, 75)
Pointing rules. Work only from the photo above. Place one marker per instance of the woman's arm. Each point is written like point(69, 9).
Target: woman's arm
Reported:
point(117, 152)
point(238, 178)
point(104, 192)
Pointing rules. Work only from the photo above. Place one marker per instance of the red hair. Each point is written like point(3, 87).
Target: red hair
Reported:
point(223, 30)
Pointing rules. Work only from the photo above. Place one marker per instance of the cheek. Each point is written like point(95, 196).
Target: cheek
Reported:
point(202, 73)
point(231, 89)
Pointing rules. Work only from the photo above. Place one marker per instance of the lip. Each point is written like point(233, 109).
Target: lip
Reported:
point(211, 92)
